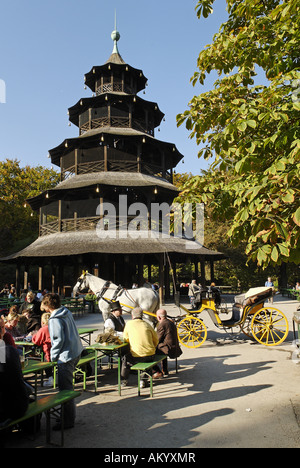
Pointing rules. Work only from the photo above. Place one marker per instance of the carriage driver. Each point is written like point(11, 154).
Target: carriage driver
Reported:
point(115, 320)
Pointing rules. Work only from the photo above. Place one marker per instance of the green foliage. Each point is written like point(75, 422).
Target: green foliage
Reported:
point(251, 131)
point(17, 183)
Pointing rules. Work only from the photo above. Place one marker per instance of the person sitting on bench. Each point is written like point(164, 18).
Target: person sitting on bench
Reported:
point(168, 342)
point(14, 397)
point(142, 339)
point(115, 320)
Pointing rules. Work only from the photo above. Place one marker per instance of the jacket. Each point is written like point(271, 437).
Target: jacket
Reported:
point(65, 340)
point(42, 338)
point(141, 336)
point(168, 338)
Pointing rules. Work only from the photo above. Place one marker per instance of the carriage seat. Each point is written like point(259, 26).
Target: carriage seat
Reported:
point(207, 293)
point(238, 307)
point(242, 301)
point(237, 310)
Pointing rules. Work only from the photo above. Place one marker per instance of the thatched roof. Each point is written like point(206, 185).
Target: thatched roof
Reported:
point(114, 179)
point(124, 179)
point(93, 137)
point(115, 58)
point(83, 242)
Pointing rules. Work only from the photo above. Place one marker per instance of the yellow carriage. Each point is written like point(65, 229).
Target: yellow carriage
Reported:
point(265, 323)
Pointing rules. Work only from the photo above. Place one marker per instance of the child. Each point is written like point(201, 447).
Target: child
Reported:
point(11, 323)
point(42, 338)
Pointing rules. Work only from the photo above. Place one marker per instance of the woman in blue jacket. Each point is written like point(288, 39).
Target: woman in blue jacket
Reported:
point(66, 348)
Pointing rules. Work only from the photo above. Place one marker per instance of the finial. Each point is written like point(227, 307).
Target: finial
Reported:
point(115, 35)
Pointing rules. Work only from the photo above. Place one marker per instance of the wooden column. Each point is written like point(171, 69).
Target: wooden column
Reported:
point(212, 271)
point(76, 161)
point(26, 277)
point(174, 277)
point(109, 114)
point(40, 279)
point(59, 216)
point(130, 115)
point(167, 280)
point(40, 221)
point(139, 158)
point(123, 82)
point(105, 158)
point(90, 119)
point(196, 270)
point(203, 280)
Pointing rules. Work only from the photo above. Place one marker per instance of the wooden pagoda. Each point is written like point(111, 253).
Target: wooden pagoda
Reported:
point(115, 154)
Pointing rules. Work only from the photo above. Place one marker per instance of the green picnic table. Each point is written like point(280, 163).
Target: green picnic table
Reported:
point(86, 333)
point(113, 351)
point(26, 345)
point(37, 367)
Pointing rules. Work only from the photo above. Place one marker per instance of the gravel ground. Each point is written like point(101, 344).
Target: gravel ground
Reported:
point(229, 393)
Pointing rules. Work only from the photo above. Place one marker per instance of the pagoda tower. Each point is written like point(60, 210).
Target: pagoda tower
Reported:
point(115, 158)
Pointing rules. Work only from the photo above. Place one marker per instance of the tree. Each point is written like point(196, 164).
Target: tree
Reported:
point(251, 131)
point(18, 221)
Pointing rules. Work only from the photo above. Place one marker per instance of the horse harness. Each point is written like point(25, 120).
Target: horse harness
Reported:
point(118, 292)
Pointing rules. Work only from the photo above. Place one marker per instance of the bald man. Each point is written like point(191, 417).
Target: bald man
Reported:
point(167, 341)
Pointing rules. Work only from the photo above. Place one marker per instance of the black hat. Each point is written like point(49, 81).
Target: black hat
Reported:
point(115, 306)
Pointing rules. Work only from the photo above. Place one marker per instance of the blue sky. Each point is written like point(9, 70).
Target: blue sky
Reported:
point(48, 46)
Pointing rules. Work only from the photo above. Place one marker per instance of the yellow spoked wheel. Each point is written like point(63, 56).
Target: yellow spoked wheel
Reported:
point(269, 326)
point(191, 332)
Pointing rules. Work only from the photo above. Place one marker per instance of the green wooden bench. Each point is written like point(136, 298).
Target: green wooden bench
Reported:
point(6, 303)
point(81, 367)
point(51, 404)
point(75, 305)
point(292, 293)
point(146, 368)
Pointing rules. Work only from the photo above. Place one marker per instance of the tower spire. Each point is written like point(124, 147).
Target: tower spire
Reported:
point(115, 35)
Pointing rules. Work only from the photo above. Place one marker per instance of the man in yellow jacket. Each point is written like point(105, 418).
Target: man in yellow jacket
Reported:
point(142, 339)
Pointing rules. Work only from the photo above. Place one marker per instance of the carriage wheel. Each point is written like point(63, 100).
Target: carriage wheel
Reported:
point(191, 332)
point(246, 327)
point(269, 326)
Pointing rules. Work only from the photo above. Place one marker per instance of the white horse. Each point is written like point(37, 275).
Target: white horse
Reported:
point(145, 298)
